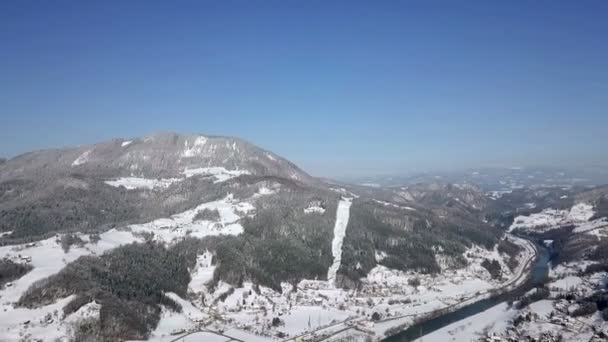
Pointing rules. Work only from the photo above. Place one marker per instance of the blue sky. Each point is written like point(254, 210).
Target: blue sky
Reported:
point(340, 88)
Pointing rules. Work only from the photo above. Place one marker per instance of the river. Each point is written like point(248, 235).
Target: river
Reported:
point(538, 276)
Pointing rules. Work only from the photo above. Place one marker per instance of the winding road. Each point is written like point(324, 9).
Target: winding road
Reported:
point(520, 275)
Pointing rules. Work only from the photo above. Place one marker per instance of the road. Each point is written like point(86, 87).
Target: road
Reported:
point(519, 276)
point(229, 338)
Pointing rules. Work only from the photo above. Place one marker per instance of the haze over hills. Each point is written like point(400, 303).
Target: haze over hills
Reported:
point(324, 171)
point(169, 235)
point(497, 178)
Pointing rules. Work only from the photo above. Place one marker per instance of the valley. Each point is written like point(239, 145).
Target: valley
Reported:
point(187, 237)
point(303, 171)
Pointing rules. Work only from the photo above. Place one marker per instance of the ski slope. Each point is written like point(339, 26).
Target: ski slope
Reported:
point(342, 215)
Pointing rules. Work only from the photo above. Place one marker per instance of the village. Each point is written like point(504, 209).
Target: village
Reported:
point(316, 310)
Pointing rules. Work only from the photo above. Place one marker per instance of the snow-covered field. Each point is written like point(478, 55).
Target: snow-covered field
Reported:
point(581, 212)
point(312, 307)
point(314, 209)
point(83, 158)
point(319, 308)
point(394, 205)
point(552, 218)
point(496, 194)
point(315, 306)
point(47, 258)
point(495, 319)
point(184, 224)
point(549, 319)
point(219, 174)
point(543, 320)
point(131, 183)
point(596, 227)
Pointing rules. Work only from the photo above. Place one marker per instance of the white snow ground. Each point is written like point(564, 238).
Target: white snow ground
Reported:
point(552, 218)
point(394, 205)
point(495, 319)
point(183, 224)
point(549, 316)
point(314, 209)
point(131, 183)
point(220, 174)
point(316, 301)
point(342, 215)
point(196, 148)
point(581, 212)
point(83, 158)
point(47, 258)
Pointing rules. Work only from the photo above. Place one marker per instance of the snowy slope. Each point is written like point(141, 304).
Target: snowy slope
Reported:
point(342, 215)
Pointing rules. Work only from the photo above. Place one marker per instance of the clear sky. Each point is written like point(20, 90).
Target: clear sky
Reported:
point(340, 88)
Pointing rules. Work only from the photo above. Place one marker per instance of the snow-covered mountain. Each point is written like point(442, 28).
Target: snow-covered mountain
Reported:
point(157, 237)
point(164, 155)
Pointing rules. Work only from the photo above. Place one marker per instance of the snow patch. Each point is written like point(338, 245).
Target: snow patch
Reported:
point(566, 284)
point(83, 158)
point(394, 205)
point(342, 215)
point(218, 172)
point(314, 209)
point(581, 212)
point(202, 273)
point(45, 322)
point(126, 143)
point(266, 191)
point(306, 318)
point(196, 148)
point(187, 308)
point(542, 308)
point(131, 183)
point(47, 257)
point(380, 255)
point(496, 194)
point(593, 227)
point(173, 322)
point(183, 224)
point(551, 218)
point(546, 219)
point(496, 319)
point(89, 310)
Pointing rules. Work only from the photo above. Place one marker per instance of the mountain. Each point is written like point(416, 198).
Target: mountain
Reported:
point(164, 155)
point(137, 239)
point(67, 189)
point(499, 178)
point(435, 194)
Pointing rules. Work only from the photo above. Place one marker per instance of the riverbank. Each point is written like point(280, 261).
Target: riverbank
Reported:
point(535, 271)
point(436, 297)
